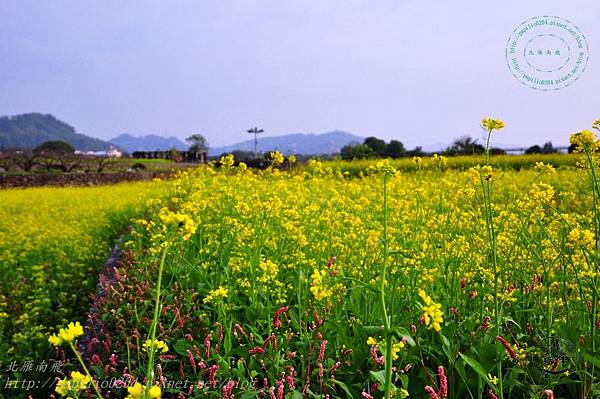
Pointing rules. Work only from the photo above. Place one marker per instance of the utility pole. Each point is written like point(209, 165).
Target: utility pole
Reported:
point(255, 131)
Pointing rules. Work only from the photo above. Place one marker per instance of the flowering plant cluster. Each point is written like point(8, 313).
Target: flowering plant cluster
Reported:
point(429, 283)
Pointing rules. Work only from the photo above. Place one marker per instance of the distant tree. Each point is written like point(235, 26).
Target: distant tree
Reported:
point(198, 145)
point(55, 146)
point(497, 151)
point(377, 145)
point(241, 156)
point(138, 166)
point(417, 152)
point(465, 146)
point(534, 149)
point(197, 142)
point(5, 161)
point(548, 148)
point(24, 159)
point(395, 149)
point(58, 155)
point(175, 155)
point(356, 151)
point(63, 162)
point(93, 163)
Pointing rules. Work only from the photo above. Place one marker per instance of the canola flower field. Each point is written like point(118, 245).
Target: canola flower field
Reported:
point(53, 242)
point(461, 162)
point(436, 282)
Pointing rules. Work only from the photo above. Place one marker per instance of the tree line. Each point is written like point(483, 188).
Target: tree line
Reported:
point(52, 156)
point(373, 147)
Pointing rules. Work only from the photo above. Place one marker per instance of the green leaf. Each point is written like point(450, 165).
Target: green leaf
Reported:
point(378, 376)
point(344, 387)
point(404, 380)
point(594, 360)
point(404, 333)
point(98, 371)
point(182, 346)
point(475, 365)
point(241, 369)
point(508, 318)
point(372, 330)
point(249, 394)
point(445, 340)
point(460, 369)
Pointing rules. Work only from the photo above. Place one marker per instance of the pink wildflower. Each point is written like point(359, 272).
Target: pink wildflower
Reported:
point(507, 346)
point(431, 392)
point(207, 345)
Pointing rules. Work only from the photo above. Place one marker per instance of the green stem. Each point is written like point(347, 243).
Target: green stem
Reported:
point(386, 319)
point(596, 231)
point(492, 237)
point(150, 370)
point(87, 372)
point(487, 148)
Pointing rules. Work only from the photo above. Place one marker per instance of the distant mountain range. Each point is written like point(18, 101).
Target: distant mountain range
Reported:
point(150, 142)
point(297, 143)
point(33, 129)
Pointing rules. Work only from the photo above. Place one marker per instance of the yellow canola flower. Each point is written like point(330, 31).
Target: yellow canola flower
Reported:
point(135, 391)
point(68, 334)
point(440, 160)
point(53, 239)
point(157, 344)
point(492, 124)
point(432, 312)
point(227, 160)
point(424, 297)
point(583, 139)
point(277, 157)
point(216, 294)
point(72, 386)
point(55, 340)
point(385, 167)
point(184, 222)
point(396, 347)
point(139, 391)
point(318, 288)
point(487, 172)
point(579, 237)
point(154, 392)
point(544, 168)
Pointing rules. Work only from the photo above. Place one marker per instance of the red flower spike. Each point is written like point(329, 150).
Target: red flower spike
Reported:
point(507, 346)
point(431, 392)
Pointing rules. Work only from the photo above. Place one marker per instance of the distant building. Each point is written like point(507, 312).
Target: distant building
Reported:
point(112, 153)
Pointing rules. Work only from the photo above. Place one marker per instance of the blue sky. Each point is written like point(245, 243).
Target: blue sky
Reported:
point(421, 72)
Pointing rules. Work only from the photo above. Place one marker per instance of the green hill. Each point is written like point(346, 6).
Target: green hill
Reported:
point(33, 129)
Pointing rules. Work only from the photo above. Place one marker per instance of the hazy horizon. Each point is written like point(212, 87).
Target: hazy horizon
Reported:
point(410, 71)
